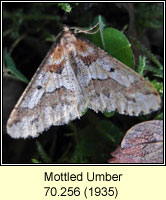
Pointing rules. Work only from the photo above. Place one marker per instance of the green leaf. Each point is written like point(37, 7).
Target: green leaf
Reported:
point(65, 7)
point(117, 45)
point(156, 72)
point(84, 112)
point(96, 142)
point(141, 65)
point(12, 68)
point(35, 160)
point(7, 32)
point(137, 44)
point(159, 116)
point(149, 16)
point(101, 30)
point(42, 153)
point(109, 114)
point(110, 131)
point(158, 86)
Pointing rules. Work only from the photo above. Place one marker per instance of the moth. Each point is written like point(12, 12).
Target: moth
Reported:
point(75, 75)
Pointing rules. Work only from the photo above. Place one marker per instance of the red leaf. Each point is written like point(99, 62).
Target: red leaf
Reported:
point(143, 143)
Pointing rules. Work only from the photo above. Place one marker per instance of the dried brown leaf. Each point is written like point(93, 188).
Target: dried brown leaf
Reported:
point(143, 143)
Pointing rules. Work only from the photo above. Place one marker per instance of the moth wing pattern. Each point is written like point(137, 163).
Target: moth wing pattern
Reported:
point(51, 98)
point(110, 85)
point(76, 75)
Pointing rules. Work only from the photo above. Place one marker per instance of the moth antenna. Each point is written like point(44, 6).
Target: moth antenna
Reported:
point(80, 30)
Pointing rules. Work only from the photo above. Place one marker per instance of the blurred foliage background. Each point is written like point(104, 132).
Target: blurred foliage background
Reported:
point(27, 37)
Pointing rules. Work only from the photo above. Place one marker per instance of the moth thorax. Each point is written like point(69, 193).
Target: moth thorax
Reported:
point(67, 41)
